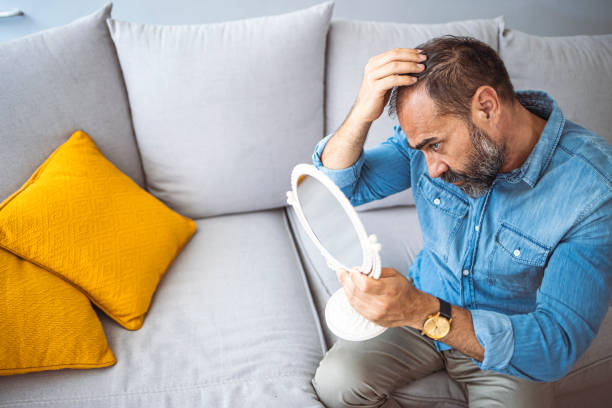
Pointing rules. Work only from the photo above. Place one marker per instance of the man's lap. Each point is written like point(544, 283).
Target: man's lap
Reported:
point(365, 373)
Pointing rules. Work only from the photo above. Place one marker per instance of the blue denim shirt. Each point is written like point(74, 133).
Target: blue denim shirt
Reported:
point(531, 259)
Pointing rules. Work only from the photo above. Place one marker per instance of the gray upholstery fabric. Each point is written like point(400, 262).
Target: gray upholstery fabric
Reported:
point(55, 82)
point(240, 101)
point(576, 71)
point(588, 382)
point(231, 325)
point(399, 233)
point(350, 46)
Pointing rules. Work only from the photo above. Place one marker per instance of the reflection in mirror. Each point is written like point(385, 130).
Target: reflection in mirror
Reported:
point(329, 222)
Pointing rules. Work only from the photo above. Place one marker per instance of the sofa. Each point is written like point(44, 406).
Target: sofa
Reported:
point(211, 119)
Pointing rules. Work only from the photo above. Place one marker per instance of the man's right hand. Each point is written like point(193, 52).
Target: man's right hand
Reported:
point(381, 74)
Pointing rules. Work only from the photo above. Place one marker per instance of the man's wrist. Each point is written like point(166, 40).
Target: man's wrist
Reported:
point(425, 306)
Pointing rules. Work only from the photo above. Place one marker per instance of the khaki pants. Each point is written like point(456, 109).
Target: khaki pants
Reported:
point(364, 374)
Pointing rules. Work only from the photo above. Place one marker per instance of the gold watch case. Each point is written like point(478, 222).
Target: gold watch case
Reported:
point(436, 326)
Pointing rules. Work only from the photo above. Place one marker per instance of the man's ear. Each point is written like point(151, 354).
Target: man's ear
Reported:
point(485, 107)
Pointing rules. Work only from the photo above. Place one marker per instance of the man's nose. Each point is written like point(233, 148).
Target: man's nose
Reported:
point(436, 167)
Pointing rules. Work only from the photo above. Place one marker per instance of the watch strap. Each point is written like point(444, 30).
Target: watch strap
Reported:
point(445, 309)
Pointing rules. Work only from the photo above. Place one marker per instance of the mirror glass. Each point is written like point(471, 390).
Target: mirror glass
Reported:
point(329, 222)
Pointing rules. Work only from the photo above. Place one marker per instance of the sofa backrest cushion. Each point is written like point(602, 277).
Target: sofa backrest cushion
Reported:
point(350, 46)
point(55, 82)
point(576, 71)
point(222, 112)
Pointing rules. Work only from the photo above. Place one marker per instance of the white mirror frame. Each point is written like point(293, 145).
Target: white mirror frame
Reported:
point(340, 317)
point(371, 264)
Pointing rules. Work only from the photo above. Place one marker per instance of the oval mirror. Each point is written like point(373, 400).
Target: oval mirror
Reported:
point(333, 225)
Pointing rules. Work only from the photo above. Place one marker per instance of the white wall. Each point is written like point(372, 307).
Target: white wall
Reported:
point(542, 17)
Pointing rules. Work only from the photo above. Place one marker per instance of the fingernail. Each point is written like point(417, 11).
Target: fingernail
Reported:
point(422, 57)
point(421, 66)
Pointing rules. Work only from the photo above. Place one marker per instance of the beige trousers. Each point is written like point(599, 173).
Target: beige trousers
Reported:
point(364, 374)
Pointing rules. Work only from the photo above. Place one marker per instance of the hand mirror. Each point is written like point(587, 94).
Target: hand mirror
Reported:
point(333, 225)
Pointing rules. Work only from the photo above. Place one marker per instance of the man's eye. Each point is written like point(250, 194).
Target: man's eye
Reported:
point(435, 146)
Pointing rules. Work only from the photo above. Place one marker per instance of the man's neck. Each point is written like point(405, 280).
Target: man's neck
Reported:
point(523, 130)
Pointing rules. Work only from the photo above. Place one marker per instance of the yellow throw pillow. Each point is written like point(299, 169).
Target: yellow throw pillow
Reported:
point(46, 323)
point(79, 217)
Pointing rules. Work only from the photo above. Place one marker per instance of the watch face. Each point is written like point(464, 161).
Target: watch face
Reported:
point(436, 327)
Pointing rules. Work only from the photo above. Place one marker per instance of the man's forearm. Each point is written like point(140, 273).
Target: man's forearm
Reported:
point(461, 335)
point(344, 147)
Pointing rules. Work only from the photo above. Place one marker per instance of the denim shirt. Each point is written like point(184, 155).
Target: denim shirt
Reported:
point(531, 259)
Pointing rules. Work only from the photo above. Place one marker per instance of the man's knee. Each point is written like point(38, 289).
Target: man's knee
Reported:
point(341, 380)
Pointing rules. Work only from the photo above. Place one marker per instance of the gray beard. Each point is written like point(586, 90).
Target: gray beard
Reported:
point(484, 163)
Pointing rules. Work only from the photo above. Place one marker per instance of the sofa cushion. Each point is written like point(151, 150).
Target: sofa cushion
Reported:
point(81, 218)
point(46, 323)
point(587, 383)
point(54, 82)
point(222, 112)
point(576, 71)
point(350, 46)
point(231, 325)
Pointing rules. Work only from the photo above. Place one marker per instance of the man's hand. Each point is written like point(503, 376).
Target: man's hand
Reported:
point(381, 74)
point(389, 301)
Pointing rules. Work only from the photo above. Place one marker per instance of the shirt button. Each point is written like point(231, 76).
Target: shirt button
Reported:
point(477, 228)
point(517, 252)
point(437, 201)
point(466, 272)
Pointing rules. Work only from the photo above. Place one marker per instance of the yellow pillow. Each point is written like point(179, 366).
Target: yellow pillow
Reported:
point(79, 217)
point(46, 323)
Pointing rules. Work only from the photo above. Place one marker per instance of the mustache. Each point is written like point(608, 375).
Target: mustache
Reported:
point(452, 176)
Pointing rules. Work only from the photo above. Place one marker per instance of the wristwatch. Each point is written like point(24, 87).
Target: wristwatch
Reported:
point(438, 324)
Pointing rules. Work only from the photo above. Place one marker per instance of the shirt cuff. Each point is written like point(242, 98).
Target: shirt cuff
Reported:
point(342, 177)
point(494, 332)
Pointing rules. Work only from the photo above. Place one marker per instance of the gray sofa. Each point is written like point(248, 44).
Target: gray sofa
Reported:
point(237, 319)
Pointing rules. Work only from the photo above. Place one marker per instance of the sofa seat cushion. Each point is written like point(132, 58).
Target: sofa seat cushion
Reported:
point(231, 325)
point(57, 81)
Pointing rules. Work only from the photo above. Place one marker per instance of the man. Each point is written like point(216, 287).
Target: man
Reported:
point(515, 205)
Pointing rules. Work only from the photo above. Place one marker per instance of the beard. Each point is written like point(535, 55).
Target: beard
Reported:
point(485, 160)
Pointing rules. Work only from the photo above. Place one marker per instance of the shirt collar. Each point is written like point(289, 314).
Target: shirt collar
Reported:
point(543, 105)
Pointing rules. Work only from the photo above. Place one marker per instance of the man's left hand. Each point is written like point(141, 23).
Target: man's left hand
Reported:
point(390, 301)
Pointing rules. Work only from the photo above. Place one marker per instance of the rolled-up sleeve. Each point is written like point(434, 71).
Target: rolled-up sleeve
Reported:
point(571, 304)
point(342, 177)
point(494, 332)
point(378, 172)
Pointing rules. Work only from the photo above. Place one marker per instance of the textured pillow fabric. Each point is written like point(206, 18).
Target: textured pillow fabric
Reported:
point(54, 82)
point(222, 112)
point(79, 217)
point(352, 43)
point(46, 323)
point(576, 71)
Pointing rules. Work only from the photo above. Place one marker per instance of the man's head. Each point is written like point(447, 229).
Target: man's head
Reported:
point(454, 112)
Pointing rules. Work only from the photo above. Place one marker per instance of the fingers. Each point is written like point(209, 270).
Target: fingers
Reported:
point(396, 68)
point(396, 54)
point(396, 80)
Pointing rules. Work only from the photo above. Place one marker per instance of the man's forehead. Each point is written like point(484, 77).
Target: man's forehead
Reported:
point(417, 115)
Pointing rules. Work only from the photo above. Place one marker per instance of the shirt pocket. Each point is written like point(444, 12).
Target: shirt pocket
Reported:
point(441, 213)
point(517, 262)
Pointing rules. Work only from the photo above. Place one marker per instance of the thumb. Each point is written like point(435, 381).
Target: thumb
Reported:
point(341, 274)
